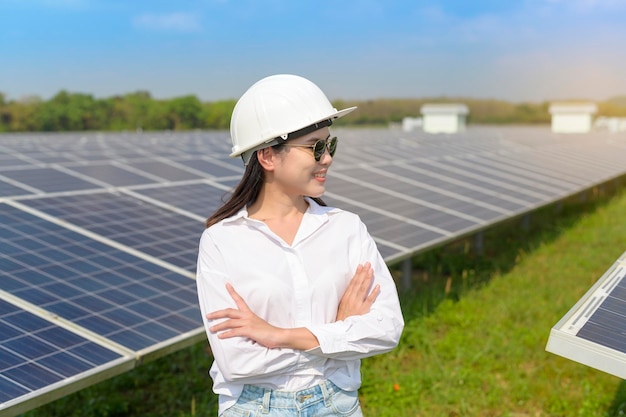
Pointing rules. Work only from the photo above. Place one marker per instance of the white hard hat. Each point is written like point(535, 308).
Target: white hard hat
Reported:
point(277, 108)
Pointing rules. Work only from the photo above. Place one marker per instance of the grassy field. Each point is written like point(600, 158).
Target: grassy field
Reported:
point(474, 343)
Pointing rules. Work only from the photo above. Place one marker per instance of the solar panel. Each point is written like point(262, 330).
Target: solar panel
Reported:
point(198, 199)
point(114, 174)
point(118, 295)
point(161, 233)
point(164, 170)
point(593, 332)
point(48, 179)
point(38, 356)
point(99, 231)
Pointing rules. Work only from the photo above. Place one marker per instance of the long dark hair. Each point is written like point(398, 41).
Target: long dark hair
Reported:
point(246, 192)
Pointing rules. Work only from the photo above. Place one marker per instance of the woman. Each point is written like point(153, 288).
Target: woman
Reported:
point(293, 293)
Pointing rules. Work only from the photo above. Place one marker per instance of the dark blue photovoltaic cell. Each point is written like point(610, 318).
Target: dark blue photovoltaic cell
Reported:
point(161, 233)
point(607, 325)
point(395, 205)
point(112, 174)
point(389, 229)
point(163, 170)
point(440, 201)
point(12, 162)
point(115, 294)
point(200, 199)
point(455, 187)
point(213, 169)
point(35, 353)
point(7, 190)
point(518, 193)
point(48, 179)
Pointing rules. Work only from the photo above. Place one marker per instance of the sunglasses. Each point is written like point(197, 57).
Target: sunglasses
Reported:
point(319, 147)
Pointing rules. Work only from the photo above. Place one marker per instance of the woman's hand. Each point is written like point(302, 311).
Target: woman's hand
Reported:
point(357, 299)
point(242, 322)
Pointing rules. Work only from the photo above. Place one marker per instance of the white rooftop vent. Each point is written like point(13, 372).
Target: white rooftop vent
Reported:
point(411, 123)
point(444, 118)
point(572, 117)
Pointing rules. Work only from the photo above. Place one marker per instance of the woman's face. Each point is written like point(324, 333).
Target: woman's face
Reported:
point(298, 171)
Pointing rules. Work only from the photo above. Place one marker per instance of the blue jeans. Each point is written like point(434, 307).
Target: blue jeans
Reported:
point(322, 400)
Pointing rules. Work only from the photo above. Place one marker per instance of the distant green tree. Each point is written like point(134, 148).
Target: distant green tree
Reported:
point(185, 113)
point(140, 111)
point(217, 114)
point(136, 111)
point(614, 107)
point(19, 116)
point(5, 116)
point(72, 112)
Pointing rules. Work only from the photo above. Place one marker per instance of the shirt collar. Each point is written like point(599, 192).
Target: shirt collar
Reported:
point(314, 209)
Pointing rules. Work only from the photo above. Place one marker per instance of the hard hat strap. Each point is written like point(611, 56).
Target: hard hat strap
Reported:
point(305, 130)
point(247, 155)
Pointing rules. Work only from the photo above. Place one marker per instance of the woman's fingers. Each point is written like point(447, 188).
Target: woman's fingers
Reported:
point(358, 296)
point(241, 304)
point(242, 322)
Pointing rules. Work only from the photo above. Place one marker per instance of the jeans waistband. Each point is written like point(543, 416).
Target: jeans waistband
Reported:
point(269, 398)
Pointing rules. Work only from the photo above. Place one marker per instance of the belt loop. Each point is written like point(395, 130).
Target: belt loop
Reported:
point(266, 400)
point(326, 391)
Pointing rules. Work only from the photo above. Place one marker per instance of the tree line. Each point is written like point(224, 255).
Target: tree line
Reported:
point(140, 111)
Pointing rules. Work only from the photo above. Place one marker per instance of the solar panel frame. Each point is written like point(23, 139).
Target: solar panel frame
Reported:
point(593, 331)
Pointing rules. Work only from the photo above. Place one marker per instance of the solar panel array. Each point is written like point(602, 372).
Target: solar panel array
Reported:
point(99, 232)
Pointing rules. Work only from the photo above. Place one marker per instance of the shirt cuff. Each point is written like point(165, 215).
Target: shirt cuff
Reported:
point(332, 338)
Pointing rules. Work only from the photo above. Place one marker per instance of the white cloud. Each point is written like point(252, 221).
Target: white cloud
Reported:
point(177, 22)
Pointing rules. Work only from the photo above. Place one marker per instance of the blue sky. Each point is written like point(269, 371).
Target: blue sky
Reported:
point(524, 50)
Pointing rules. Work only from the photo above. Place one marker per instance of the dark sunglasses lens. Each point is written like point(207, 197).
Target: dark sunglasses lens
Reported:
point(332, 146)
point(321, 145)
point(318, 150)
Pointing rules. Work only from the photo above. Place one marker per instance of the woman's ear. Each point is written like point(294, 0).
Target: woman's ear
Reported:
point(267, 158)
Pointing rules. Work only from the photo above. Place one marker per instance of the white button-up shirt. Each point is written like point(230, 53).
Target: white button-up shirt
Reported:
point(297, 285)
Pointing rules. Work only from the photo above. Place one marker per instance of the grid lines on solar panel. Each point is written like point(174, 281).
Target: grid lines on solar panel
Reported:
point(373, 195)
point(516, 165)
point(441, 200)
point(161, 233)
point(111, 174)
point(48, 179)
point(163, 170)
point(501, 187)
point(126, 299)
point(35, 353)
point(211, 168)
point(11, 161)
point(607, 325)
point(8, 190)
point(532, 162)
point(401, 233)
point(449, 185)
point(200, 199)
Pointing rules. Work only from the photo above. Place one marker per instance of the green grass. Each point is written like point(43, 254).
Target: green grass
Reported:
point(474, 341)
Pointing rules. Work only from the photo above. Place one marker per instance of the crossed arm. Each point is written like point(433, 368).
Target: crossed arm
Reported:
point(242, 322)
